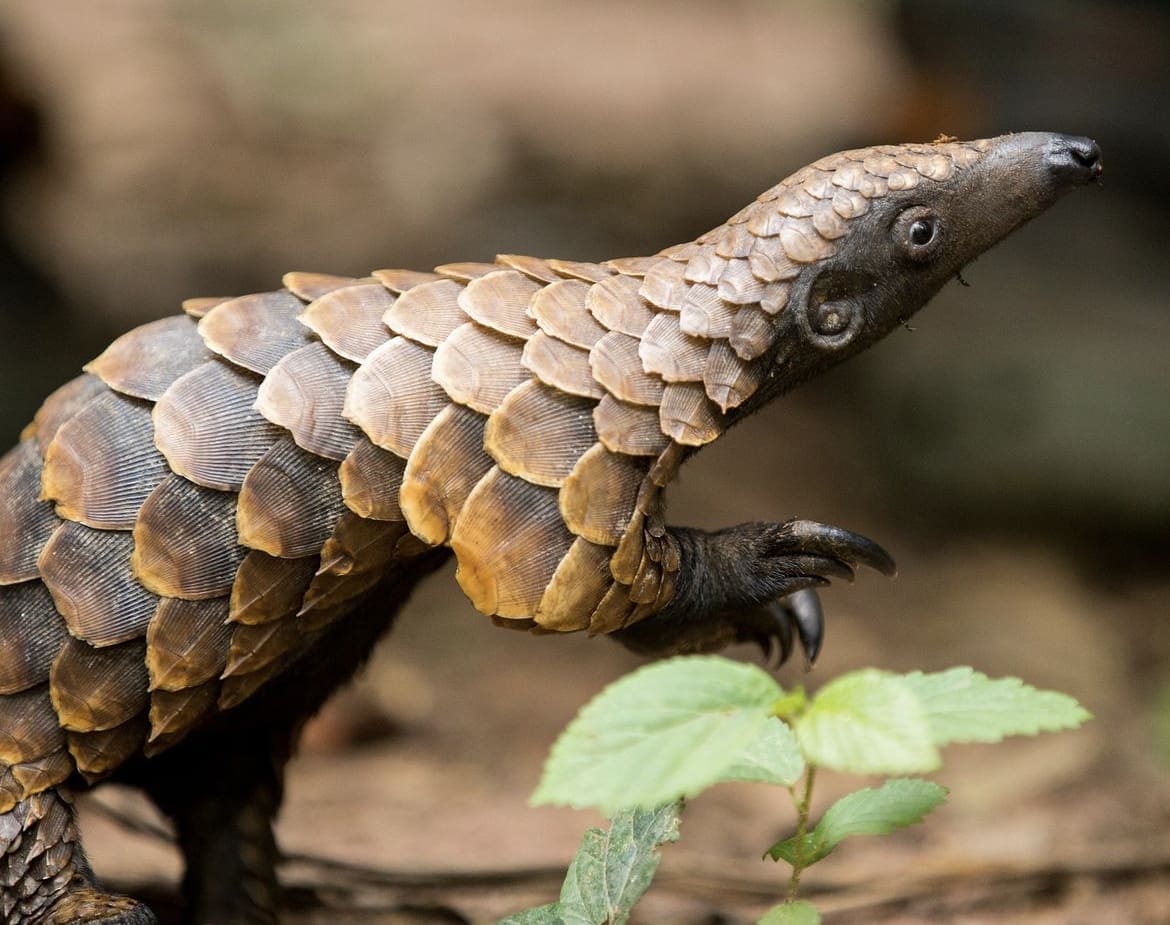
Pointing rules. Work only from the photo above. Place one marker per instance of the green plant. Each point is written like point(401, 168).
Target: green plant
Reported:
point(668, 731)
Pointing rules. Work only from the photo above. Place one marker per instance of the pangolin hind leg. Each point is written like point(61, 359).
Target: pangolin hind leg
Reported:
point(753, 583)
point(44, 875)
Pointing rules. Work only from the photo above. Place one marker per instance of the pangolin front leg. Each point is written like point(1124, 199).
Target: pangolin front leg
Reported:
point(753, 583)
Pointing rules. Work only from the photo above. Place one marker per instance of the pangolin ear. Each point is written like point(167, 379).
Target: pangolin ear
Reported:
point(832, 324)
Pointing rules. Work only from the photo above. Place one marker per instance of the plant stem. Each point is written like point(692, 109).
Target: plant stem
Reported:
point(802, 808)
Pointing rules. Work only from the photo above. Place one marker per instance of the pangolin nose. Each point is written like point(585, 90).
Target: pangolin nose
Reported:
point(1073, 159)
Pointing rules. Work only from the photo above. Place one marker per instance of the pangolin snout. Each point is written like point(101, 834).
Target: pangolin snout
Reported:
point(1073, 159)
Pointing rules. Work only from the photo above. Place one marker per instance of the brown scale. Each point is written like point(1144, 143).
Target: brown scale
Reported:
point(370, 479)
point(665, 285)
point(539, 433)
point(30, 728)
point(24, 778)
point(667, 351)
point(349, 319)
point(144, 362)
point(687, 416)
point(616, 365)
point(633, 266)
point(627, 428)
point(446, 464)
point(312, 286)
point(268, 588)
point(560, 365)
point(173, 714)
point(200, 306)
point(500, 300)
point(613, 611)
point(88, 573)
point(773, 301)
point(575, 269)
point(561, 312)
point(352, 561)
point(533, 267)
point(103, 463)
point(427, 313)
point(97, 754)
point(185, 541)
point(305, 393)
point(255, 331)
point(208, 429)
point(97, 689)
point(60, 406)
point(187, 643)
point(615, 303)
point(580, 581)
point(26, 522)
point(392, 396)
point(739, 286)
point(728, 379)
point(598, 497)
point(706, 266)
point(466, 271)
point(478, 367)
point(752, 333)
point(769, 262)
point(33, 631)
point(399, 281)
point(289, 502)
point(509, 543)
point(705, 314)
point(257, 646)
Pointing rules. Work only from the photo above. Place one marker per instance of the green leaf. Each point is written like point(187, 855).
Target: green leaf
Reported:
point(666, 731)
point(894, 805)
point(867, 722)
point(964, 705)
point(794, 913)
point(773, 758)
point(541, 915)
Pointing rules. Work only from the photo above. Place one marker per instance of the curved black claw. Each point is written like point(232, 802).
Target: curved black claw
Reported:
point(800, 611)
point(852, 549)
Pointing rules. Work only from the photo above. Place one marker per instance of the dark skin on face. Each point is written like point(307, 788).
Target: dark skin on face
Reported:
point(755, 582)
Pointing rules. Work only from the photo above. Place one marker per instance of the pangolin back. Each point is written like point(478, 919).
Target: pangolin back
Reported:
point(182, 522)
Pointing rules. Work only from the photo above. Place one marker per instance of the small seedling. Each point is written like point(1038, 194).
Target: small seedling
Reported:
point(663, 734)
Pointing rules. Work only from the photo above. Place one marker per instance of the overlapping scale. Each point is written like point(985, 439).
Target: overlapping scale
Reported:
point(173, 714)
point(30, 729)
point(311, 286)
point(665, 285)
point(103, 463)
point(705, 314)
point(628, 428)
point(561, 312)
point(633, 266)
point(207, 427)
point(576, 269)
point(427, 313)
point(353, 560)
point(687, 416)
point(255, 331)
point(97, 754)
point(615, 303)
point(305, 394)
point(399, 281)
point(577, 586)
point(598, 497)
point(539, 433)
point(561, 365)
point(447, 462)
point(95, 689)
point(60, 406)
point(509, 544)
point(201, 305)
point(26, 522)
point(88, 573)
point(753, 332)
point(478, 367)
point(533, 267)
point(616, 365)
point(289, 502)
point(269, 588)
point(144, 362)
point(728, 379)
point(466, 271)
point(370, 480)
point(348, 319)
point(667, 351)
point(392, 396)
point(500, 300)
point(32, 631)
point(187, 643)
point(185, 542)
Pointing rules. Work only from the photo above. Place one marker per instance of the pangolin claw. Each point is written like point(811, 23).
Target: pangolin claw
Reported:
point(800, 611)
point(843, 545)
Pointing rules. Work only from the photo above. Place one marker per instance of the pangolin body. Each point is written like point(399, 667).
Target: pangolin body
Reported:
point(260, 479)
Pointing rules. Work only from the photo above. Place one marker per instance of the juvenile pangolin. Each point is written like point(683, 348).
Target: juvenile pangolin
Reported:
point(203, 535)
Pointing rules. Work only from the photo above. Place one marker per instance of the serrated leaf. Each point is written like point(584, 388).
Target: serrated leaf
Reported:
point(773, 758)
point(794, 913)
point(872, 811)
point(867, 722)
point(964, 705)
point(666, 731)
point(612, 869)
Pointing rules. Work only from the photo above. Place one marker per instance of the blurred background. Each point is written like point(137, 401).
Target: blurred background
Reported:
point(1012, 451)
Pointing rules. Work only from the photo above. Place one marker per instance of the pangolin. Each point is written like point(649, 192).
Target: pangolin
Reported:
point(204, 534)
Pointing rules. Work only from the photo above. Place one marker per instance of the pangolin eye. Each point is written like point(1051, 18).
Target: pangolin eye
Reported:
point(921, 232)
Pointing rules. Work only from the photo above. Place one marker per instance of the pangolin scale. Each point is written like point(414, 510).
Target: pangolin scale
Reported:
point(228, 491)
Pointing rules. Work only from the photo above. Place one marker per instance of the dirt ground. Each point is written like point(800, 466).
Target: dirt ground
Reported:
point(1011, 452)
